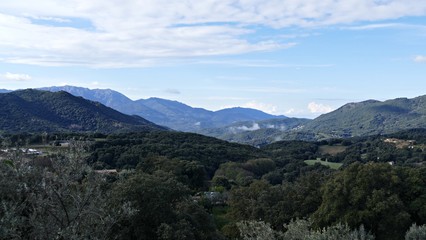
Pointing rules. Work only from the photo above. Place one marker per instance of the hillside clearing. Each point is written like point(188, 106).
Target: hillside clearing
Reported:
point(332, 165)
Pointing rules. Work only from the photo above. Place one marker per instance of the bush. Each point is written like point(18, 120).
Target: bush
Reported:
point(301, 230)
point(416, 232)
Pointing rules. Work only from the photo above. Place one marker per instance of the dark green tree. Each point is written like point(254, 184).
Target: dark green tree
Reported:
point(164, 209)
point(366, 195)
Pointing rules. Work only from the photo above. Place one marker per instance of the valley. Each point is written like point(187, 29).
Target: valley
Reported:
point(137, 178)
point(213, 120)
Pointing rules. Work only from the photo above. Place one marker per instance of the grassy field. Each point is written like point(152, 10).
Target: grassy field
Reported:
point(332, 165)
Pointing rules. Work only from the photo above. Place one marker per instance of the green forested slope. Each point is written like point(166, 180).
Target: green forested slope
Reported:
point(173, 185)
point(35, 111)
point(371, 117)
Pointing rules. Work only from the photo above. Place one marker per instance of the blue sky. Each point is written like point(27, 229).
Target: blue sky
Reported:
point(297, 58)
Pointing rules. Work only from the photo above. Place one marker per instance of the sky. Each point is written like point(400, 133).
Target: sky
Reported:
point(299, 58)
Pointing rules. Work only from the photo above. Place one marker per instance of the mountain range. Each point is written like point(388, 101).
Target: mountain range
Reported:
point(241, 125)
point(371, 117)
point(365, 118)
point(38, 111)
point(172, 114)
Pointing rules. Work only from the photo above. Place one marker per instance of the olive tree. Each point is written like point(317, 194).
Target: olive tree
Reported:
point(55, 197)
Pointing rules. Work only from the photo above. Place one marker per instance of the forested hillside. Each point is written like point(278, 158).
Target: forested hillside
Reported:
point(254, 127)
point(362, 119)
point(39, 111)
point(171, 185)
point(370, 118)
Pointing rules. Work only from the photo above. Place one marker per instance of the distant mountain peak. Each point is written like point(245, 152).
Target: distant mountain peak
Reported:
point(5, 91)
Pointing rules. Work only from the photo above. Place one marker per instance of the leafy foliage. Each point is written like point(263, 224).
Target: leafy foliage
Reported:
point(252, 230)
point(61, 199)
point(372, 195)
point(416, 232)
point(300, 230)
point(277, 204)
point(163, 178)
point(129, 150)
point(164, 210)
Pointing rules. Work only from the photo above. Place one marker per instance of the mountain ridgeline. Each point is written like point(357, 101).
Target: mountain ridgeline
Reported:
point(4, 91)
point(370, 118)
point(240, 125)
point(351, 120)
point(167, 113)
point(138, 183)
point(38, 111)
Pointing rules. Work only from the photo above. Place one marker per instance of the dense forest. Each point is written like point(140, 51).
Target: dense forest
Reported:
point(41, 111)
point(172, 185)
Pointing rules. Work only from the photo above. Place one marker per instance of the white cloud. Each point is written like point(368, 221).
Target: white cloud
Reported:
point(266, 64)
point(268, 108)
point(52, 19)
point(386, 26)
point(145, 32)
point(319, 108)
point(252, 128)
point(291, 111)
point(17, 76)
point(295, 112)
point(374, 26)
point(63, 84)
point(420, 59)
